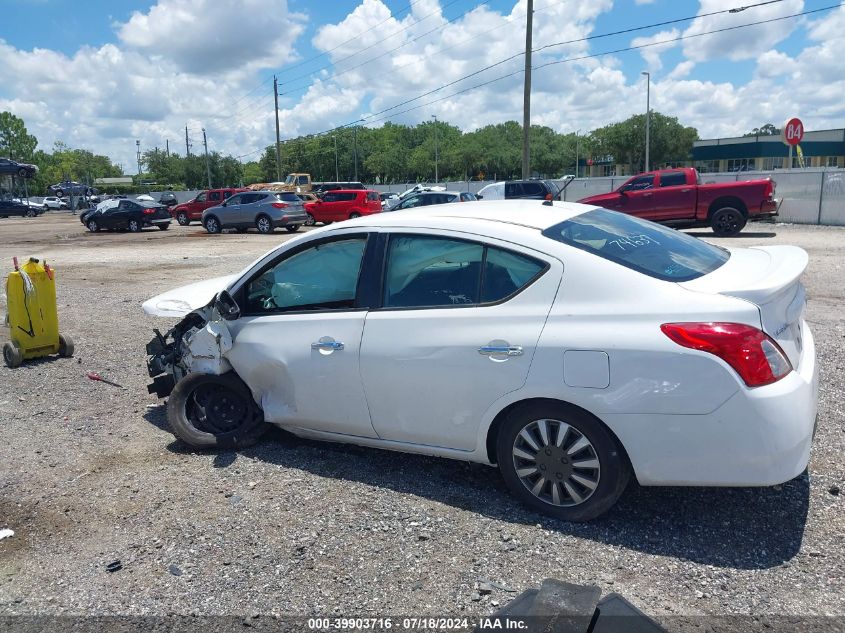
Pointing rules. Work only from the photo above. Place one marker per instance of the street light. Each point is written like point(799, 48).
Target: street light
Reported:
point(336, 170)
point(577, 132)
point(647, 114)
point(436, 174)
point(138, 155)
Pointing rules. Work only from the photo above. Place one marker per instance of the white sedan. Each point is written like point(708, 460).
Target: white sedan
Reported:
point(569, 345)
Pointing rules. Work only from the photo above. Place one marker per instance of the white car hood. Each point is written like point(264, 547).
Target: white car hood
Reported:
point(180, 301)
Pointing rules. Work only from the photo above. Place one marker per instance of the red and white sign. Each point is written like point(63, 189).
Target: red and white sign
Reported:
point(793, 131)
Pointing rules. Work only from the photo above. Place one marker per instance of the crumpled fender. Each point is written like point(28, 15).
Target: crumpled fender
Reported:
point(207, 347)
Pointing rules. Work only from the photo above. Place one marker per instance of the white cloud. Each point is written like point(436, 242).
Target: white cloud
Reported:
point(743, 43)
point(651, 54)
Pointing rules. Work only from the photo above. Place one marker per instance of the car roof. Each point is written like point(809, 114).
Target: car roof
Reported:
point(535, 214)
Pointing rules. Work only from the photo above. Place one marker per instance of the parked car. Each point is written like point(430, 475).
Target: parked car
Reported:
point(388, 199)
point(14, 168)
point(526, 189)
point(677, 198)
point(129, 215)
point(342, 204)
point(322, 187)
point(307, 197)
point(168, 199)
point(192, 210)
point(72, 188)
point(52, 202)
point(17, 207)
point(427, 198)
point(264, 210)
point(571, 346)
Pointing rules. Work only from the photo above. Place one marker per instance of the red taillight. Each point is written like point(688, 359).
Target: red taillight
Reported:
point(279, 205)
point(149, 211)
point(752, 353)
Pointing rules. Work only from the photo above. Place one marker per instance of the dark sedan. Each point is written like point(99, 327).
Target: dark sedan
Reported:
point(126, 215)
point(72, 188)
point(24, 170)
point(15, 207)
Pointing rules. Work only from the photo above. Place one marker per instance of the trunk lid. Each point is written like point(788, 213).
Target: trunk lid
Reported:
point(770, 278)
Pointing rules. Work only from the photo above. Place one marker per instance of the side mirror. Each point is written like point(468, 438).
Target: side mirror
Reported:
point(226, 306)
point(623, 192)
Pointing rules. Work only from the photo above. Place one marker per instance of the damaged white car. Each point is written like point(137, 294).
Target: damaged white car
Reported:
point(571, 346)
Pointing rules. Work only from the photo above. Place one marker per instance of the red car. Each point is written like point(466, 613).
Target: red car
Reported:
point(677, 198)
point(191, 211)
point(343, 204)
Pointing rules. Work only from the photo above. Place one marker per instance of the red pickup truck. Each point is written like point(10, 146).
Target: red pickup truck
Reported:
point(190, 211)
point(677, 198)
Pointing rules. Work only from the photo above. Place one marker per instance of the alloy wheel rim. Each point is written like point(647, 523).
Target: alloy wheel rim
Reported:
point(310, 221)
point(211, 225)
point(728, 222)
point(556, 462)
point(263, 225)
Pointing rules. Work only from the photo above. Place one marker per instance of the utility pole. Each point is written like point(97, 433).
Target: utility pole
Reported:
point(278, 138)
point(526, 104)
point(355, 142)
point(336, 170)
point(187, 144)
point(577, 132)
point(436, 173)
point(207, 165)
point(167, 147)
point(647, 115)
point(138, 155)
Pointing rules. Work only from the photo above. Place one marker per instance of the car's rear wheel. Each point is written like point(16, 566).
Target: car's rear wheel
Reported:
point(12, 354)
point(561, 460)
point(310, 221)
point(92, 226)
point(31, 213)
point(264, 224)
point(182, 218)
point(134, 226)
point(354, 215)
point(164, 227)
point(207, 411)
point(60, 193)
point(727, 221)
point(292, 228)
point(212, 225)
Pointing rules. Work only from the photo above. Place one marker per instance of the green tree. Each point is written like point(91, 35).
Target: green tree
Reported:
point(766, 130)
point(15, 142)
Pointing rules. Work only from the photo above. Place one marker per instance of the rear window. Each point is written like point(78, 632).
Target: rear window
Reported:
point(288, 197)
point(648, 248)
point(372, 196)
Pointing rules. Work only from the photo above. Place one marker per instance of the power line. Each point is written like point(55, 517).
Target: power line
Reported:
point(372, 117)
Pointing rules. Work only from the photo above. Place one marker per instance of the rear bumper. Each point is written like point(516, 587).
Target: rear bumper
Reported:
point(758, 437)
point(768, 211)
point(290, 219)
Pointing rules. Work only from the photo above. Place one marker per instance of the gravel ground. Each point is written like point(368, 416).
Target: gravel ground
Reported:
point(90, 474)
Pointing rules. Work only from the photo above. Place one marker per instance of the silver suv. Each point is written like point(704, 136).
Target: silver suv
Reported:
point(263, 210)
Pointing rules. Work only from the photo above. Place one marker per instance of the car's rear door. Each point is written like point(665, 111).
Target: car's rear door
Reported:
point(455, 329)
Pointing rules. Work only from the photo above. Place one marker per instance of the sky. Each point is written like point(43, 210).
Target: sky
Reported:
point(102, 74)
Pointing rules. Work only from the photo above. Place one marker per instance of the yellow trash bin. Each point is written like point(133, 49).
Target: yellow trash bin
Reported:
point(32, 316)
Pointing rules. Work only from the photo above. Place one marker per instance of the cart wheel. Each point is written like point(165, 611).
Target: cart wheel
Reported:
point(12, 354)
point(65, 346)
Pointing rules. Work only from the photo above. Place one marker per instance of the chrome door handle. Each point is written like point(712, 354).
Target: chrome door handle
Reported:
point(490, 350)
point(685, 190)
point(330, 345)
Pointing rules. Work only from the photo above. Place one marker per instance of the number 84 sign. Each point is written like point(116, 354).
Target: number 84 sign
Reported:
point(793, 131)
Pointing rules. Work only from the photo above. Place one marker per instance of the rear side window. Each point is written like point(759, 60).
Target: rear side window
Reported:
point(345, 197)
point(435, 272)
point(533, 189)
point(673, 179)
point(648, 248)
point(513, 190)
point(214, 195)
point(373, 196)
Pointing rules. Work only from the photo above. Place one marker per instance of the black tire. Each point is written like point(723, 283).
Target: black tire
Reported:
point(22, 172)
point(264, 224)
point(12, 354)
point(60, 193)
point(326, 223)
point(310, 221)
point(163, 227)
point(134, 226)
point(292, 228)
point(182, 218)
point(727, 221)
point(31, 213)
point(193, 411)
point(212, 225)
point(613, 471)
point(92, 225)
point(66, 346)
point(354, 215)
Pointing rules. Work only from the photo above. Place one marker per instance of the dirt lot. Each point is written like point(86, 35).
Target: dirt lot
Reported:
point(89, 474)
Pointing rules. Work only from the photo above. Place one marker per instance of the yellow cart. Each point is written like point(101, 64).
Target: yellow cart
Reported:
point(32, 316)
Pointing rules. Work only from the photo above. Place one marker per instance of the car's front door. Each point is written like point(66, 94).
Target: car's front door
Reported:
point(457, 328)
point(230, 213)
point(674, 199)
point(297, 342)
point(637, 197)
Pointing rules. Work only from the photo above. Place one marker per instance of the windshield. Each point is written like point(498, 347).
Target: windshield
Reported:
point(648, 248)
point(290, 179)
